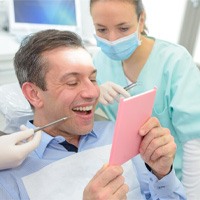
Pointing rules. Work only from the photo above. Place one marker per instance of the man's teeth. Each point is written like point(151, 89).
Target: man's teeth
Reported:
point(87, 108)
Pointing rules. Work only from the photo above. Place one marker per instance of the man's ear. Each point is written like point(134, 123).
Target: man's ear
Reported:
point(32, 94)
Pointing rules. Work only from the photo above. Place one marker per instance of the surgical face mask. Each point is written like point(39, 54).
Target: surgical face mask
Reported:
point(120, 49)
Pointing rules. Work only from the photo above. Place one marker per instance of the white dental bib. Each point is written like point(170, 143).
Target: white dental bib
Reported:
point(67, 178)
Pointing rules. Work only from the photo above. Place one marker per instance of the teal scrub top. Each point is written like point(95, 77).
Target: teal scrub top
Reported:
point(177, 105)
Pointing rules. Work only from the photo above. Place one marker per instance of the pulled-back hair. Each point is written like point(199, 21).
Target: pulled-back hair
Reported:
point(30, 66)
point(138, 5)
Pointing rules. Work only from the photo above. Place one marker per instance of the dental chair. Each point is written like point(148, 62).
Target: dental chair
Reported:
point(15, 109)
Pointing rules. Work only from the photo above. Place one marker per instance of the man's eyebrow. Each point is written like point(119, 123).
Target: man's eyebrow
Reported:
point(68, 74)
point(74, 74)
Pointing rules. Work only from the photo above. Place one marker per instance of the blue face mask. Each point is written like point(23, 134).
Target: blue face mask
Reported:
point(120, 49)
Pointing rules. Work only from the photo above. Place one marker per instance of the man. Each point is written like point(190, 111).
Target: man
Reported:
point(58, 78)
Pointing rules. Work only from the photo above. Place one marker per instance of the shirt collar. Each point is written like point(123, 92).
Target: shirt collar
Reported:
point(46, 139)
point(92, 133)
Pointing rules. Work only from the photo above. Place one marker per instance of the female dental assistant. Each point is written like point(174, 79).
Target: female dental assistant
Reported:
point(128, 55)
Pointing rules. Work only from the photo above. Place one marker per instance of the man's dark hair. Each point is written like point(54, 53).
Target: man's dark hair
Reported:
point(30, 66)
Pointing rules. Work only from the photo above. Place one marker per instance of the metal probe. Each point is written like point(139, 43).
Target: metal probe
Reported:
point(50, 124)
point(128, 87)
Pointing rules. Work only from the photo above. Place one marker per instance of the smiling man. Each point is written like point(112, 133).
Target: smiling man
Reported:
point(58, 79)
point(70, 89)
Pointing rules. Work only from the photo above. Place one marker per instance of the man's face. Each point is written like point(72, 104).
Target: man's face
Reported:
point(71, 91)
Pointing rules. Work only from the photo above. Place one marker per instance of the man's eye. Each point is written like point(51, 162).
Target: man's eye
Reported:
point(93, 80)
point(72, 84)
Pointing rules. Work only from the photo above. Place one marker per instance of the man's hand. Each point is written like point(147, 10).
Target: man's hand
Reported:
point(157, 147)
point(108, 183)
point(15, 147)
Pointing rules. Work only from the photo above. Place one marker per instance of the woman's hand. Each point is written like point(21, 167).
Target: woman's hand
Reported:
point(15, 147)
point(110, 91)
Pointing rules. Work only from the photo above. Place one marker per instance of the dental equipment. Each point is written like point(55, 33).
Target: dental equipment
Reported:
point(42, 127)
point(50, 124)
point(128, 87)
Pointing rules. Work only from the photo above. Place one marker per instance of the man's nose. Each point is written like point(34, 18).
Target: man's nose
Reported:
point(90, 90)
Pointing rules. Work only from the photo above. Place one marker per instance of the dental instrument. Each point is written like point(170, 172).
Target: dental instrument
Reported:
point(50, 124)
point(128, 87)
